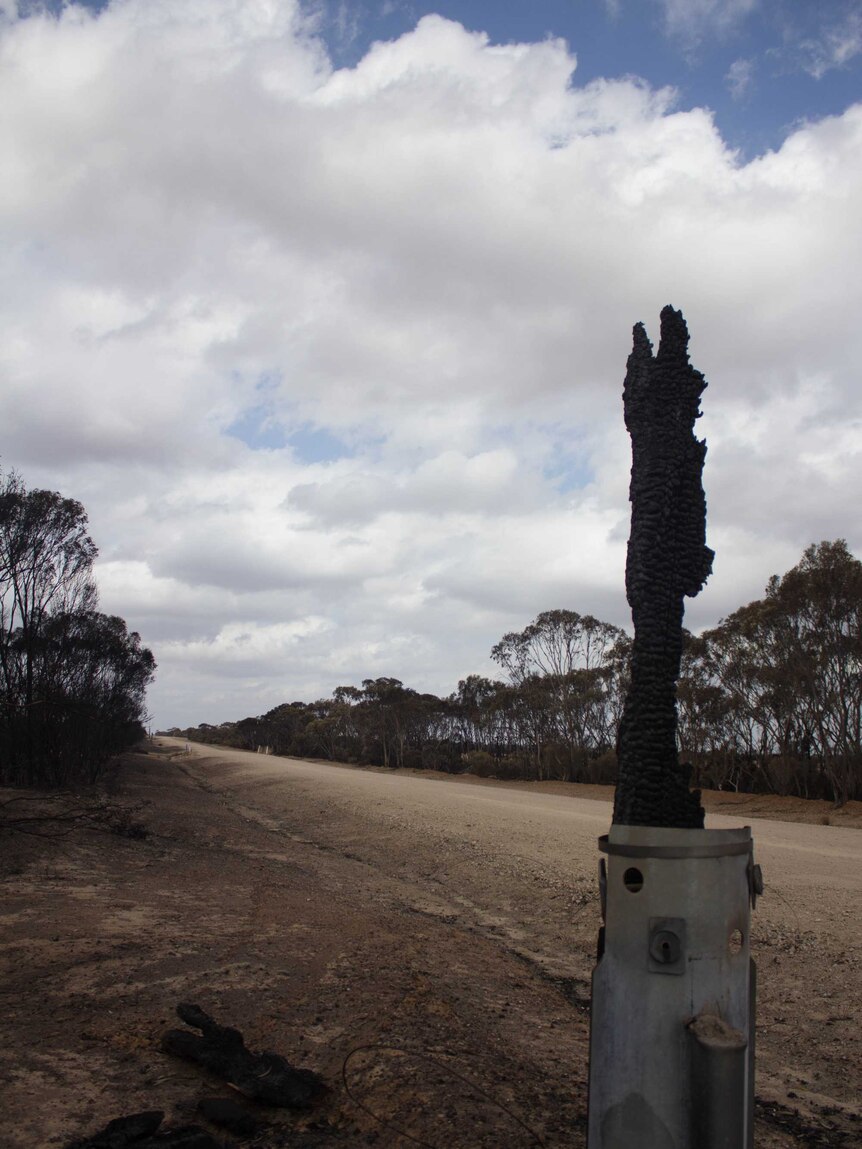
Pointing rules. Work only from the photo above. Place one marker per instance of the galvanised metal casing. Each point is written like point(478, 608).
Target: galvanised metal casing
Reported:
point(676, 905)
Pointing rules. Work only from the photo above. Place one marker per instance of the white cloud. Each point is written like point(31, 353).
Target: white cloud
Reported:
point(835, 47)
point(244, 646)
point(436, 257)
point(739, 78)
point(693, 20)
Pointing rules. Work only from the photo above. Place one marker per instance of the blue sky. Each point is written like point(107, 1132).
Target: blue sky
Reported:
point(323, 311)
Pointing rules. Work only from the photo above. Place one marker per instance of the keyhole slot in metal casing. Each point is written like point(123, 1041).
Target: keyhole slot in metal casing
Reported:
point(666, 945)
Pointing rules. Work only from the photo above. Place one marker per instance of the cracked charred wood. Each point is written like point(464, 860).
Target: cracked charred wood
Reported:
point(267, 1077)
point(224, 1112)
point(141, 1131)
point(123, 1131)
point(667, 560)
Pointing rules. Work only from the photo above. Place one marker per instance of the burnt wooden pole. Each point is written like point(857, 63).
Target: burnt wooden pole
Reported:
point(672, 1021)
point(667, 560)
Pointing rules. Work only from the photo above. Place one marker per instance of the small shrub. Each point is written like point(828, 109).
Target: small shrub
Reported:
point(480, 763)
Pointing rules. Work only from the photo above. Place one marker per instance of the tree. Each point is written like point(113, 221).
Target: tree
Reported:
point(783, 678)
point(817, 610)
point(72, 680)
point(703, 712)
point(563, 665)
point(473, 713)
point(386, 706)
point(92, 687)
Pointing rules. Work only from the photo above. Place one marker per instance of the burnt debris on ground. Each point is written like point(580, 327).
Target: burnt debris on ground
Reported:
point(143, 1131)
point(265, 1077)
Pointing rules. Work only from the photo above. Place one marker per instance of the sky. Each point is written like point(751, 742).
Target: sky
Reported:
point(322, 310)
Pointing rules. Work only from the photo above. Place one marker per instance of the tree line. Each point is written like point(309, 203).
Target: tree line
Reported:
point(72, 680)
point(770, 700)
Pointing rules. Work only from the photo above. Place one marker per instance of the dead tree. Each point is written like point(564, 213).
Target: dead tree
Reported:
point(667, 560)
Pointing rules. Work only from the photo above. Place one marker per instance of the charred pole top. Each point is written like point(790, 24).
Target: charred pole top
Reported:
point(667, 560)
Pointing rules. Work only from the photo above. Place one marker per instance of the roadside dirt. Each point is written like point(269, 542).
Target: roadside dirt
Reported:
point(433, 970)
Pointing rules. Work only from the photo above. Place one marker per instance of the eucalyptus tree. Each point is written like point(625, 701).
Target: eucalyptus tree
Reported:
point(817, 616)
point(386, 710)
point(704, 728)
point(783, 676)
point(474, 713)
point(562, 665)
point(92, 690)
point(72, 680)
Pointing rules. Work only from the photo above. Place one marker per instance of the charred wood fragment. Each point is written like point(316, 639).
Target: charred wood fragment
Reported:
point(667, 560)
point(225, 1112)
point(267, 1077)
point(142, 1131)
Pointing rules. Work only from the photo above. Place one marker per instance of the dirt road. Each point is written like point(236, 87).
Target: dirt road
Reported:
point(424, 944)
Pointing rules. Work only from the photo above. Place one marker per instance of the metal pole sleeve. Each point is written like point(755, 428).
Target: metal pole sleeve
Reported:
point(718, 1084)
